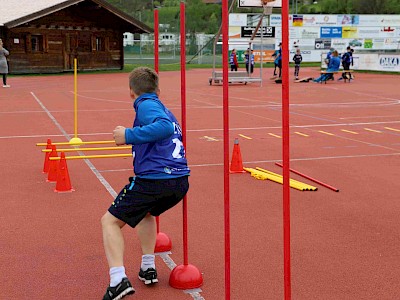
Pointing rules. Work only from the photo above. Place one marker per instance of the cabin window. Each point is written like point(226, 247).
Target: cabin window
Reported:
point(100, 44)
point(37, 43)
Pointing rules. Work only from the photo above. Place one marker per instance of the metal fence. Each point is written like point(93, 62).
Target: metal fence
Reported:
point(142, 52)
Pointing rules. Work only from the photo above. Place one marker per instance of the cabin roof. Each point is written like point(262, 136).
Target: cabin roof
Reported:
point(16, 12)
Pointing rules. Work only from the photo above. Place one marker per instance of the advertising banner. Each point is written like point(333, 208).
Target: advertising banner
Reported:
point(389, 62)
point(340, 44)
point(349, 32)
point(348, 19)
point(275, 20)
point(388, 31)
point(234, 32)
point(266, 55)
point(237, 19)
point(308, 55)
point(297, 20)
point(326, 20)
point(267, 31)
point(309, 33)
point(370, 20)
point(390, 20)
point(331, 32)
point(321, 44)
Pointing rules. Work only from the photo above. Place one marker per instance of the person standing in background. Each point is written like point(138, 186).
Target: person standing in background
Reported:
point(233, 61)
point(297, 58)
point(3, 64)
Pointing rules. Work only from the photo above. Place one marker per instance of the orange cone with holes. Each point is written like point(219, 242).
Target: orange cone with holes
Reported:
point(63, 181)
point(236, 162)
point(53, 165)
point(46, 158)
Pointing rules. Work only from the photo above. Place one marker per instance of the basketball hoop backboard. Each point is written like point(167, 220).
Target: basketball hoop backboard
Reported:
point(259, 3)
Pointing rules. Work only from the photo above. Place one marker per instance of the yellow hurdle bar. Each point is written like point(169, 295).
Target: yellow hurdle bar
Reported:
point(92, 156)
point(292, 181)
point(263, 174)
point(89, 149)
point(77, 144)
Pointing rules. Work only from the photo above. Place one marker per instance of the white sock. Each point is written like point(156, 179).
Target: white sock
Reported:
point(116, 275)
point(148, 262)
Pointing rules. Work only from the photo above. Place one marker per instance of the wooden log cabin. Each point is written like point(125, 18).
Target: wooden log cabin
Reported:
point(44, 36)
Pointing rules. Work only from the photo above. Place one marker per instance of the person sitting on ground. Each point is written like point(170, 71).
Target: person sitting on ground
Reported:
point(334, 64)
point(328, 59)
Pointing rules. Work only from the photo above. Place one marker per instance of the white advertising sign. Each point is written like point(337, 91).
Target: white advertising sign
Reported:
point(368, 32)
point(309, 32)
point(237, 19)
point(389, 62)
point(370, 20)
point(275, 20)
point(325, 20)
point(390, 20)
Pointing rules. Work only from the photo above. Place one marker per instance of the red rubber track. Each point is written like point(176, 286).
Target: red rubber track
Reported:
point(344, 245)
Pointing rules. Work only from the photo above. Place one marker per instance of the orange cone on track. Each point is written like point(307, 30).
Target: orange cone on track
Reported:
point(46, 158)
point(63, 181)
point(236, 162)
point(53, 165)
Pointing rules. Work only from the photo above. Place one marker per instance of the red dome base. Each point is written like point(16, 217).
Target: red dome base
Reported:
point(163, 243)
point(185, 277)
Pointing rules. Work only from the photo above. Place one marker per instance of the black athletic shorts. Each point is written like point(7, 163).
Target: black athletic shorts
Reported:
point(141, 196)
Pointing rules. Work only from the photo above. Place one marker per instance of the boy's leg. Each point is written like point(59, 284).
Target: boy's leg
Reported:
point(113, 239)
point(147, 233)
point(114, 248)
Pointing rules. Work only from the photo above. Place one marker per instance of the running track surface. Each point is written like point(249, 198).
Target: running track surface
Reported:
point(344, 245)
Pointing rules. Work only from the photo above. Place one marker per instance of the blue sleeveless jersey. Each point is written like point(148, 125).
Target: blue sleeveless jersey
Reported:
point(157, 141)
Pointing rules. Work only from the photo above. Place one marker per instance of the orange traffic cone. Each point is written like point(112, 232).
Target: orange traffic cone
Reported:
point(53, 165)
point(236, 162)
point(46, 158)
point(63, 182)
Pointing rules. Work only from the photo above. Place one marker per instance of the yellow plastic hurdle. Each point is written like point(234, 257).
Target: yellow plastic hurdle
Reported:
point(263, 174)
point(93, 156)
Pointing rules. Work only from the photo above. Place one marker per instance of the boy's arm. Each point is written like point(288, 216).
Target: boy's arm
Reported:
point(156, 125)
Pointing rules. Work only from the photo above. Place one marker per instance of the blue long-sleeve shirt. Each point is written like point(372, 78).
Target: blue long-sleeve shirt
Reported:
point(155, 124)
point(156, 139)
point(334, 64)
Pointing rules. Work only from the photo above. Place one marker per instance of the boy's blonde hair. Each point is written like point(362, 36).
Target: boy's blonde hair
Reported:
point(143, 80)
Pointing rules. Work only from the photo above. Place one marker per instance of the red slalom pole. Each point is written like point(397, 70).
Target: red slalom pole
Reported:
point(184, 276)
point(312, 179)
point(286, 150)
point(225, 89)
point(183, 121)
point(156, 54)
point(163, 242)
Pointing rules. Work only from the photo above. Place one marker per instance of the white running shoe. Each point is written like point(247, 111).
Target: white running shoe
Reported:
point(6, 86)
